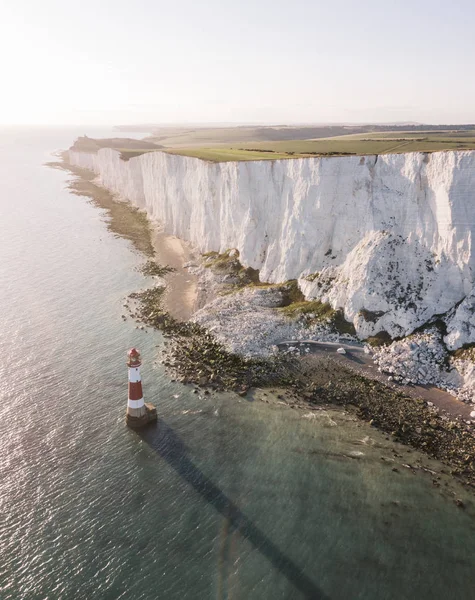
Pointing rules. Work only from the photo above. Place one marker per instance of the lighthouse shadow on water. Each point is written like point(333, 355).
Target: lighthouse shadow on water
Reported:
point(169, 446)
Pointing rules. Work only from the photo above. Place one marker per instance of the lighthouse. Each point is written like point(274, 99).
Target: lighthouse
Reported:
point(139, 413)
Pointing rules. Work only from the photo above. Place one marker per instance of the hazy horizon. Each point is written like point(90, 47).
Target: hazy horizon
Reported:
point(204, 124)
point(263, 62)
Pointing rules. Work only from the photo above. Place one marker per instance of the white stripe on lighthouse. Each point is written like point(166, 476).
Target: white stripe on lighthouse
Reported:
point(134, 374)
point(135, 403)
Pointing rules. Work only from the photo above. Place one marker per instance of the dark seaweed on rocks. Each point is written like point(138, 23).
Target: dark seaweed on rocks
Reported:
point(153, 269)
point(408, 420)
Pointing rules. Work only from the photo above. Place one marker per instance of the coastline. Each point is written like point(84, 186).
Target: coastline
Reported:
point(180, 299)
point(146, 236)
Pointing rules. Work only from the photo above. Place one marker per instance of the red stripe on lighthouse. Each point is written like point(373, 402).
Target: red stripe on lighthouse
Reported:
point(135, 390)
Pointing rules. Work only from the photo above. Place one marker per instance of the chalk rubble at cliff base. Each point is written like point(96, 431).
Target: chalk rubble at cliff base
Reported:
point(417, 359)
point(246, 322)
point(423, 359)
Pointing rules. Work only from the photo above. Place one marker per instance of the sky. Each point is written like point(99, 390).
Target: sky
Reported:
point(109, 62)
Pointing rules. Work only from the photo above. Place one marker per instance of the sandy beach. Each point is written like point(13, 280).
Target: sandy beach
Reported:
point(181, 292)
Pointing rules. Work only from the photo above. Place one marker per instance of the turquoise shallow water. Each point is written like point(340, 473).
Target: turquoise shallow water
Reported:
point(226, 498)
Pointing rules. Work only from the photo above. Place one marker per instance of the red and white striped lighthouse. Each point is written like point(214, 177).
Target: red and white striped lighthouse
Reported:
point(138, 413)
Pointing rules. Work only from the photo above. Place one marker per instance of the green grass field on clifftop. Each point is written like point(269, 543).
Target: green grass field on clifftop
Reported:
point(222, 144)
point(360, 144)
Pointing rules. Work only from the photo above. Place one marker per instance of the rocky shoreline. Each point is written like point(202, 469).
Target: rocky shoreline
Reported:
point(193, 355)
point(411, 421)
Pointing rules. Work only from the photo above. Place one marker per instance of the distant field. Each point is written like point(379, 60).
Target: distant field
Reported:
point(360, 144)
point(196, 136)
point(181, 137)
point(439, 135)
point(209, 143)
point(125, 145)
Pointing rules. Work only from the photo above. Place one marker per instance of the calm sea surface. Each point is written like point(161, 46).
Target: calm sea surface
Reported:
point(226, 498)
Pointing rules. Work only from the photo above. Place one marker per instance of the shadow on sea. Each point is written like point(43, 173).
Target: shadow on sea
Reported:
point(168, 445)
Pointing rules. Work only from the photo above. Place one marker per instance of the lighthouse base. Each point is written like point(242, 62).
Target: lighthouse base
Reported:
point(150, 416)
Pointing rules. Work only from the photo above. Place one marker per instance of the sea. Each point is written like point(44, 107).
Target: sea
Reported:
point(227, 497)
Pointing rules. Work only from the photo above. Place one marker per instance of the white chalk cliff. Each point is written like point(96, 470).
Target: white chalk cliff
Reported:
point(387, 238)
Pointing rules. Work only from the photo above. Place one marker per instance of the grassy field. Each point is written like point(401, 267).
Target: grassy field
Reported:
point(221, 144)
point(360, 144)
point(181, 137)
point(226, 136)
point(227, 154)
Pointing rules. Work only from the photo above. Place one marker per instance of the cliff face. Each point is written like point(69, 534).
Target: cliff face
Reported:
point(387, 238)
